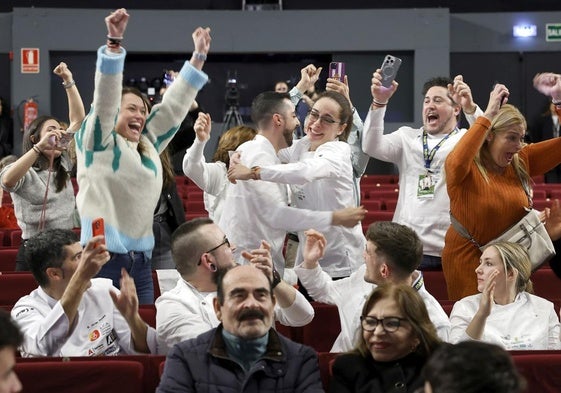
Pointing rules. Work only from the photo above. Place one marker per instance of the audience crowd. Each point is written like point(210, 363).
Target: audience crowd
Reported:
point(288, 182)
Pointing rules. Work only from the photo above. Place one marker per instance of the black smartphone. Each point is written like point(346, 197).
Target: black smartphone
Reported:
point(389, 68)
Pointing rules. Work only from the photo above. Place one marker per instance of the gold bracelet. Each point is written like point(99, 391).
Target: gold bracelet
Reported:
point(255, 173)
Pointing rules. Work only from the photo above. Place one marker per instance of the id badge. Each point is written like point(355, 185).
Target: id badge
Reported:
point(426, 185)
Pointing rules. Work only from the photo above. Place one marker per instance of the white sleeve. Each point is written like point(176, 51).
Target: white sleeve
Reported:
point(375, 143)
point(299, 313)
point(460, 318)
point(44, 333)
point(326, 163)
point(209, 177)
point(473, 117)
point(553, 337)
point(320, 286)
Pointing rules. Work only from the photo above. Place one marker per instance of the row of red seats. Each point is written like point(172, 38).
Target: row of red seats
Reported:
point(142, 373)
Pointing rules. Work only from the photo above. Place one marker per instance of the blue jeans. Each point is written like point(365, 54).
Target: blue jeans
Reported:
point(430, 262)
point(138, 267)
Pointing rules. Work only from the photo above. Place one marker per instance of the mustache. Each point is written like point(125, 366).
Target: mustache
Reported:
point(251, 314)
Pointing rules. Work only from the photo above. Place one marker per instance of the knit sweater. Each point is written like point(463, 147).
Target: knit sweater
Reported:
point(116, 181)
point(485, 209)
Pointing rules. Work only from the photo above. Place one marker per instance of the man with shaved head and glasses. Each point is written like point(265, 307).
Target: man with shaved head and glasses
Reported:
point(419, 154)
point(201, 252)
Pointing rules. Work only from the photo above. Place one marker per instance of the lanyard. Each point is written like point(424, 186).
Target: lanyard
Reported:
point(428, 156)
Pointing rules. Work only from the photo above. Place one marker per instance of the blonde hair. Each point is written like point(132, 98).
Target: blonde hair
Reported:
point(515, 257)
point(230, 140)
point(508, 117)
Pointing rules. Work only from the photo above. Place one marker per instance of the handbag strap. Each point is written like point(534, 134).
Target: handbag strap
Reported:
point(526, 188)
point(463, 231)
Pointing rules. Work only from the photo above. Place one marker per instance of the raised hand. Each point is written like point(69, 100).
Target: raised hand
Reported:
point(488, 294)
point(63, 71)
point(116, 23)
point(201, 39)
point(314, 248)
point(497, 97)
point(461, 94)
point(340, 87)
point(309, 75)
point(549, 84)
point(94, 256)
point(381, 94)
point(202, 126)
point(553, 220)
point(261, 259)
point(126, 300)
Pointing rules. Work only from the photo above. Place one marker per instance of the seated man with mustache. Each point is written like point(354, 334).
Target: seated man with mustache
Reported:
point(244, 353)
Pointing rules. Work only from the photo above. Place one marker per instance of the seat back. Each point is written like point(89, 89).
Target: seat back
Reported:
point(8, 259)
point(322, 331)
point(541, 370)
point(107, 376)
point(13, 286)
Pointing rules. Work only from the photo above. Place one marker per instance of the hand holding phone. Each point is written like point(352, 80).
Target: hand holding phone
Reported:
point(389, 68)
point(504, 97)
point(98, 228)
point(337, 71)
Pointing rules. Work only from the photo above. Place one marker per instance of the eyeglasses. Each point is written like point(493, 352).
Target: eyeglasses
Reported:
point(224, 241)
point(389, 324)
point(323, 120)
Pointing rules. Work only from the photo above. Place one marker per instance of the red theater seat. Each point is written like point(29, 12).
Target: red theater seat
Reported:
point(321, 333)
point(108, 376)
point(546, 284)
point(148, 314)
point(13, 286)
point(8, 259)
point(436, 284)
point(540, 369)
point(326, 360)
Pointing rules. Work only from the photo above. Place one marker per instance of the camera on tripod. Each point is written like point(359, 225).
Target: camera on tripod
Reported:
point(232, 96)
point(232, 116)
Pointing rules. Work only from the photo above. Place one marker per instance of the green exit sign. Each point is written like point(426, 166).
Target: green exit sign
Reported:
point(553, 32)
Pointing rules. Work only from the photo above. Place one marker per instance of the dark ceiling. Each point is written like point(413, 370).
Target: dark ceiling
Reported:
point(455, 6)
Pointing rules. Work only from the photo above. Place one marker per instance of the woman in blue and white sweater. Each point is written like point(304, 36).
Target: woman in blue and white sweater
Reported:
point(118, 147)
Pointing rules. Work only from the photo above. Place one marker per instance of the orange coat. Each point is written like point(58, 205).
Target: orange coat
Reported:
point(485, 209)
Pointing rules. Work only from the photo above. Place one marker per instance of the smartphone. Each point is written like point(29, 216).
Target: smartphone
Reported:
point(98, 228)
point(65, 139)
point(389, 68)
point(337, 70)
point(503, 98)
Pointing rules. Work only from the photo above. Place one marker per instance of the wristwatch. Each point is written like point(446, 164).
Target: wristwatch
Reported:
point(276, 278)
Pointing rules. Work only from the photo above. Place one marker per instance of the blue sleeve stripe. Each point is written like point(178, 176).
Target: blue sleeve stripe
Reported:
point(194, 77)
point(110, 64)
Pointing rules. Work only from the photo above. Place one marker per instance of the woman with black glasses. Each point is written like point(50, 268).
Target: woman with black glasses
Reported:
point(320, 174)
point(394, 341)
